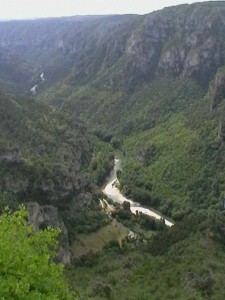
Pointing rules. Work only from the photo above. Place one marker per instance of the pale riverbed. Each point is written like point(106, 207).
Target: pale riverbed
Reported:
point(114, 194)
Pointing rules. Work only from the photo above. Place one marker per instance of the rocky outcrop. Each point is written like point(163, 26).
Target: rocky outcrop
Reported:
point(221, 131)
point(41, 217)
point(8, 155)
point(47, 153)
point(147, 155)
point(178, 42)
point(81, 201)
point(218, 87)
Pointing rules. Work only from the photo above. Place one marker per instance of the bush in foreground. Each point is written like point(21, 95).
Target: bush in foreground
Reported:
point(27, 270)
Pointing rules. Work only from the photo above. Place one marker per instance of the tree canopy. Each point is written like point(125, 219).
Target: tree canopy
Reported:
point(27, 269)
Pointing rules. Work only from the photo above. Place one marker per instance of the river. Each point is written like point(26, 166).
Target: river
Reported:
point(115, 195)
point(34, 88)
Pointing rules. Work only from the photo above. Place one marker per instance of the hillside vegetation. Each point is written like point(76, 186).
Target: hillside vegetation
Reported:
point(41, 151)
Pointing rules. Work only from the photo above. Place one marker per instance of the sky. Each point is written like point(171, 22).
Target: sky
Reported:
point(21, 9)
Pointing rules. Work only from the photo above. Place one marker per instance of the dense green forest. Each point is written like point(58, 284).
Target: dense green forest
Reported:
point(175, 165)
point(178, 164)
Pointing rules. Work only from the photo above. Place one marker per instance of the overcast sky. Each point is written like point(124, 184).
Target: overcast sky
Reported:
point(19, 9)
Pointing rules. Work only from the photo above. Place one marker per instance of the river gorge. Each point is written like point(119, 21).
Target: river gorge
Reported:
point(113, 193)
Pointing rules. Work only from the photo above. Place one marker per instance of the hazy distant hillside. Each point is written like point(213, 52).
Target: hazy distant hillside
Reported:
point(122, 51)
point(15, 72)
point(62, 46)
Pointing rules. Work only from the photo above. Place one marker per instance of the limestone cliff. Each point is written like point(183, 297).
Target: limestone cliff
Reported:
point(217, 88)
point(41, 217)
point(185, 41)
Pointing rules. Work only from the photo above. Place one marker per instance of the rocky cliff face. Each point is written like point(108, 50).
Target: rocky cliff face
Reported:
point(41, 217)
point(10, 155)
point(217, 88)
point(42, 154)
point(185, 41)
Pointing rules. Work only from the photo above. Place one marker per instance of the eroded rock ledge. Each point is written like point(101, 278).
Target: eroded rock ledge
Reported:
point(47, 215)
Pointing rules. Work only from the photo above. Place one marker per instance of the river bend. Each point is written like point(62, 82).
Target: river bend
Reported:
point(115, 195)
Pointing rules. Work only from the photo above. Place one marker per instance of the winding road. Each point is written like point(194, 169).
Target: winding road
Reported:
point(114, 193)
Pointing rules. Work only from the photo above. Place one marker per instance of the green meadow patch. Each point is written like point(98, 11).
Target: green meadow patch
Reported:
point(94, 242)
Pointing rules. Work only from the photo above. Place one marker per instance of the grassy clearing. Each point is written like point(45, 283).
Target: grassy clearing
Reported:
point(94, 242)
